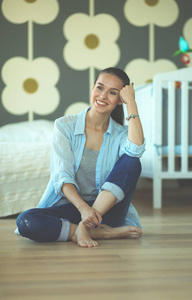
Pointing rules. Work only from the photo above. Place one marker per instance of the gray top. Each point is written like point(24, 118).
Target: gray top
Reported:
point(85, 177)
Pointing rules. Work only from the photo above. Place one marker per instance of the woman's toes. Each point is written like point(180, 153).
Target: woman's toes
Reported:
point(92, 244)
point(95, 244)
point(83, 244)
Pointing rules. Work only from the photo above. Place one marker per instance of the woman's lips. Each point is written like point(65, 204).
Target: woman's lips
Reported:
point(101, 103)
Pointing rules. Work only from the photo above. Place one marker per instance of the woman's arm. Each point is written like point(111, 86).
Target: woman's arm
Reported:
point(63, 174)
point(62, 156)
point(135, 131)
point(89, 215)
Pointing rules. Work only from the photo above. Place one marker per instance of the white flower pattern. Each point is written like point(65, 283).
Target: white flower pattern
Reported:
point(187, 29)
point(147, 69)
point(30, 86)
point(76, 108)
point(90, 41)
point(159, 12)
point(38, 11)
point(162, 13)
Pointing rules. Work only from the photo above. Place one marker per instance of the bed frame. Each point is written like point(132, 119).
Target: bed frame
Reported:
point(164, 125)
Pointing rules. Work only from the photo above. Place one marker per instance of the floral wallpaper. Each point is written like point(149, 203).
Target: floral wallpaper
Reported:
point(52, 50)
point(30, 82)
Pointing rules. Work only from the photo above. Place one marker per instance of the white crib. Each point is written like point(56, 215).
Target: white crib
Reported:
point(165, 109)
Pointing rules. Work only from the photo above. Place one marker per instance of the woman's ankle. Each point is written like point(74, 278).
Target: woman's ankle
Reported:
point(73, 228)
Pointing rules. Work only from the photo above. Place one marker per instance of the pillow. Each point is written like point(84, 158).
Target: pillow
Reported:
point(34, 131)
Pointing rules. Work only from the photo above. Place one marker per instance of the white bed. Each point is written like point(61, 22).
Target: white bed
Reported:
point(24, 164)
point(165, 108)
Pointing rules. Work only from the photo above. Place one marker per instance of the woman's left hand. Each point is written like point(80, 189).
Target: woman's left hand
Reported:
point(127, 93)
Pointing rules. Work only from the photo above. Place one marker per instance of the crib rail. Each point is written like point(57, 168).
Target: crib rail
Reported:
point(164, 157)
point(184, 125)
point(171, 126)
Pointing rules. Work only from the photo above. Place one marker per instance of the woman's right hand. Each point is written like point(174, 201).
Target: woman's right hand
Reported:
point(90, 217)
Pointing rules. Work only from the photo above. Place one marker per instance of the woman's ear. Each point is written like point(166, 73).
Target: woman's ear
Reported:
point(120, 102)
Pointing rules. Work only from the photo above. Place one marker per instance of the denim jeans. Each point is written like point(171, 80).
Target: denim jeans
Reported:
point(44, 224)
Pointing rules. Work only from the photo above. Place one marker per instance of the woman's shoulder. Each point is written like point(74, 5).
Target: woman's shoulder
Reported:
point(72, 119)
point(67, 119)
point(66, 124)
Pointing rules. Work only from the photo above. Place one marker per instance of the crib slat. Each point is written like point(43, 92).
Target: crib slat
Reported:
point(184, 126)
point(171, 126)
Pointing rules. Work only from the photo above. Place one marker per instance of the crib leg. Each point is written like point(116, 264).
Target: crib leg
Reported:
point(157, 192)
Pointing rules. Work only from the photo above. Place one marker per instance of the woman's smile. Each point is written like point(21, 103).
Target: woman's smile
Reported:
point(105, 93)
point(99, 102)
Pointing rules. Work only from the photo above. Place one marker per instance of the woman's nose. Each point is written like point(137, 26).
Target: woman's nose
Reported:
point(103, 94)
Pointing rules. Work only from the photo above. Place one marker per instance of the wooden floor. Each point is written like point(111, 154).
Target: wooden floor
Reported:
point(156, 267)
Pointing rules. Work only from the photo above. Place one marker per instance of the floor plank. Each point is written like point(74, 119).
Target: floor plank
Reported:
point(157, 266)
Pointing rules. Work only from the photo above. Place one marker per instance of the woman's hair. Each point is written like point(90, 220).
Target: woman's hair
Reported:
point(118, 113)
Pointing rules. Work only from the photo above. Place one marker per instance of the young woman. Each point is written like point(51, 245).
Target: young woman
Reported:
point(94, 170)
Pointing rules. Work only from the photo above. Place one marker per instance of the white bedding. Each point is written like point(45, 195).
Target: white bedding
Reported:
point(24, 164)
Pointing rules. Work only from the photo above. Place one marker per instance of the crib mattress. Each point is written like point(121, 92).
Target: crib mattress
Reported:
point(178, 150)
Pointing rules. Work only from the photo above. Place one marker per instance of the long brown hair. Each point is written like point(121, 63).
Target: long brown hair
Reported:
point(118, 113)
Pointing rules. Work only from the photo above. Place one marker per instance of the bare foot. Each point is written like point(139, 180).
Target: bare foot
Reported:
point(82, 238)
point(122, 232)
point(108, 232)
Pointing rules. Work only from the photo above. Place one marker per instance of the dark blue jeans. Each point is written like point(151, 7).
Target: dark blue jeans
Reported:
point(44, 224)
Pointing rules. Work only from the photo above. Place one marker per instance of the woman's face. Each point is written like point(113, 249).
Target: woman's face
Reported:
point(106, 93)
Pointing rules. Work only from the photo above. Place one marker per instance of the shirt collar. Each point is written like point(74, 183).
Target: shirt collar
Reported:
point(110, 126)
point(80, 124)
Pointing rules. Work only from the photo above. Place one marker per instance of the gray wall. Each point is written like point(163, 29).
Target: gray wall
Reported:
point(49, 41)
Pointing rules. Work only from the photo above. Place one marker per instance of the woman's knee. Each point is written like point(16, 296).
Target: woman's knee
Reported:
point(130, 164)
point(26, 223)
point(39, 225)
point(126, 170)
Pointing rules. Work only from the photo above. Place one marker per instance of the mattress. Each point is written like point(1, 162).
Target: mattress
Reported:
point(178, 150)
point(25, 160)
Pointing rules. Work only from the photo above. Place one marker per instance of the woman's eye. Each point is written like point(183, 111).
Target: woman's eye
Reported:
point(99, 87)
point(113, 93)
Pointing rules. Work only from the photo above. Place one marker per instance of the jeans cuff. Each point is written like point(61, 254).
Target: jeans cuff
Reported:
point(114, 189)
point(64, 231)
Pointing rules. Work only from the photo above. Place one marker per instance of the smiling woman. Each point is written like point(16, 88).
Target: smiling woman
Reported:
point(93, 179)
point(106, 93)
point(117, 114)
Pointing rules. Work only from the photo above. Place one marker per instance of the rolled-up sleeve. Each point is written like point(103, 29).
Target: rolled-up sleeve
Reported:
point(131, 149)
point(62, 158)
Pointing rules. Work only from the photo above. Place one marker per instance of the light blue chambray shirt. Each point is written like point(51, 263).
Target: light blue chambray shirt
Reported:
point(67, 150)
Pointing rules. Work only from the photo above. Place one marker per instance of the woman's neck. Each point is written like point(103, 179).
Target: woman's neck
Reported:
point(97, 121)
